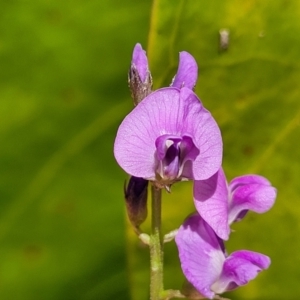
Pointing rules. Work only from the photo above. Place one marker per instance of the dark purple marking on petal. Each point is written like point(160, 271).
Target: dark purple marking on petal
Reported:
point(188, 150)
point(168, 156)
point(164, 142)
point(172, 153)
point(171, 162)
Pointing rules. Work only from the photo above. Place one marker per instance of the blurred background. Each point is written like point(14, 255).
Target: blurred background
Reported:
point(63, 92)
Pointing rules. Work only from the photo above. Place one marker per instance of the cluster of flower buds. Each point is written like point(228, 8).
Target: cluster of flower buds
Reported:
point(168, 137)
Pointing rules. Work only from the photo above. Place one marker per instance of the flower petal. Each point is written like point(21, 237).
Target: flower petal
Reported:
point(174, 112)
point(188, 149)
point(167, 153)
point(140, 62)
point(201, 126)
point(163, 143)
point(200, 254)
point(211, 202)
point(250, 192)
point(134, 146)
point(187, 72)
point(239, 268)
point(247, 179)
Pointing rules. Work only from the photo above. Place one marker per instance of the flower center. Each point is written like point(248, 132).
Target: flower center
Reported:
point(172, 152)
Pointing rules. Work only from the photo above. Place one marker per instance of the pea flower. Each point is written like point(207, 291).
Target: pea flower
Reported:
point(220, 204)
point(205, 263)
point(169, 135)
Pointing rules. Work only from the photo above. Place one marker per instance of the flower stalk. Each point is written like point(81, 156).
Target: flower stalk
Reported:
point(156, 247)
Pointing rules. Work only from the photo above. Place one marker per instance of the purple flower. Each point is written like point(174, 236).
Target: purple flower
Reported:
point(220, 204)
point(169, 136)
point(205, 263)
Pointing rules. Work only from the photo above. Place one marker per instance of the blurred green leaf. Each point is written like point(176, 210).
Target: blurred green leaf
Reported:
point(63, 91)
point(252, 89)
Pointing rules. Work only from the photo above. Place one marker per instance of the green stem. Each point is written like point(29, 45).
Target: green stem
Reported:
point(156, 247)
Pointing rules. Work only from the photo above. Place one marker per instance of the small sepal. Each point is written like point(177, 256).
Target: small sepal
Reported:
point(189, 291)
point(170, 236)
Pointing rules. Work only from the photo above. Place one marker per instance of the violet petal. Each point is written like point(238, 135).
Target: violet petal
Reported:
point(167, 152)
point(174, 112)
point(188, 149)
point(250, 192)
point(211, 202)
point(247, 179)
point(187, 72)
point(134, 147)
point(239, 268)
point(200, 254)
point(163, 142)
point(198, 123)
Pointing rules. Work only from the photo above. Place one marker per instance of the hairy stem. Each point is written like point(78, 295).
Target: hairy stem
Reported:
point(156, 247)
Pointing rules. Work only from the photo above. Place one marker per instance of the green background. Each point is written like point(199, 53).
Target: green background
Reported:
point(63, 92)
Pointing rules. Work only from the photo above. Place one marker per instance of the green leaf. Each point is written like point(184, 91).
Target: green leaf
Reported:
point(252, 91)
point(63, 91)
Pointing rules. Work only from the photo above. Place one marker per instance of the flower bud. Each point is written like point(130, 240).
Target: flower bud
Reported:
point(139, 76)
point(136, 194)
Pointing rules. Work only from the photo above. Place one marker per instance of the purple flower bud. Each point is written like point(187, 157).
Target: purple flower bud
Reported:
point(139, 77)
point(136, 194)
